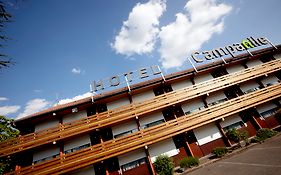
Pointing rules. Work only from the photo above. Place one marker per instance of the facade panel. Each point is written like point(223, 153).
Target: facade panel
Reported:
point(74, 116)
point(207, 133)
point(143, 96)
point(181, 84)
point(117, 103)
point(166, 147)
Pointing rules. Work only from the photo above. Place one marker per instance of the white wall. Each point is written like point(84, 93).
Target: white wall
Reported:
point(131, 156)
point(151, 118)
point(270, 79)
point(46, 152)
point(181, 84)
point(235, 68)
point(265, 107)
point(230, 120)
point(89, 170)
point(124, 127)
point(192, 105)
point(215, 96)
point(117, 103)
point(253, 63)
point(277, 56)
point(166, 147)
point(47, 124)
point(202, 78)
point(143, 96)
point(249, 85)
point(74, 116)
point(207, 133)
point(76, 142)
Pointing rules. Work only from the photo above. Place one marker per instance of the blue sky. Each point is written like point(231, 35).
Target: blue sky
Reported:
point(60, 47)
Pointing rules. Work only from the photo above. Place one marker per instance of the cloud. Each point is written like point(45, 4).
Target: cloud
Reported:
point(202, 18)
point(3, 99)
point(76, 70)
point(34, 106)
point(78, 97)
point(5, 110)
point(139, 33)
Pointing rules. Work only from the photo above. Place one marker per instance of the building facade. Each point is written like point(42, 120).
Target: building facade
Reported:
point(122, 131)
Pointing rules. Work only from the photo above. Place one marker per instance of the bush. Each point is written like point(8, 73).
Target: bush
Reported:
point(237, 136)
point(164, 165)
point(189, 162)
point(220, 151)
point(265, 133)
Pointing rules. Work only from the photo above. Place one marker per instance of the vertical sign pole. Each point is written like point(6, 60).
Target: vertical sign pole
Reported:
point(92, 92)
point(192, 64)
point(128, 85)
point(161, 73)
point(271, 43)
point(249, 52)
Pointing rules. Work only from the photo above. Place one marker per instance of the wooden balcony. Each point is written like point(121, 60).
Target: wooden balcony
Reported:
point(127, 112)
point(146, 137)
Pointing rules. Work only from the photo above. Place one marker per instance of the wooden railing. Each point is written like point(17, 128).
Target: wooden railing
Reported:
point(127, 112)
point(146, 137)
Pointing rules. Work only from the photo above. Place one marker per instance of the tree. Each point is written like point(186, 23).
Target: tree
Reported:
point(164, 165)
point(4, 18)
point(7, 131)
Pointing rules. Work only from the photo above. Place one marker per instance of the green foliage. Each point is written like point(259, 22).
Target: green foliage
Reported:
point(220, 151)
point(189, 162)
point(7, 130)
point(164, 165)
point(265, 133)
point(237, 136)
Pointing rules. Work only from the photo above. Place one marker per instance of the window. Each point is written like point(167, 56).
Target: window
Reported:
point(194, 110)
point(125, 133)
point(46, 158)
point(251, 90)
point(133, 164)
point(77, 148)
point(217, 102)
point(236, 125)
point(268, 113)
point(153, 123)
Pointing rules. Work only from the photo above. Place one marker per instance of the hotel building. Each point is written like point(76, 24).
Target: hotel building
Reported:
point(122, 131)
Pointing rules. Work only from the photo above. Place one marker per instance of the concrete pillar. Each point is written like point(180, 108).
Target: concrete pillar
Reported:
point(150, 164)
point(224, 137)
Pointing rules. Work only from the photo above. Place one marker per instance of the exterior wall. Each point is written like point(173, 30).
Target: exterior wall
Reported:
point(202, 78)
point(87, 170)
point(45, 152)
point(76, 142)
point(277, 56)
point(143, 96)
point(192, 105)
point(124, 127)
point(181, 84)
point(214, 97)
point(231, 120)
point(265, 107)
point(166, 147)
point(151, 118)
point(249, 85)
point(207, 133)
point(140, 170)
point(117, 103)
point(177, 158)
point(74, 116)
point(269, 80)
point(46, 124)
point(131, 156)
point(253, 63)
point(235, 68)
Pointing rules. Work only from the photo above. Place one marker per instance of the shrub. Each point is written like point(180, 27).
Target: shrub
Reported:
point(164, 165)
point(189, 162)
point(265, 133)
point(220, 151)
point(237, 136)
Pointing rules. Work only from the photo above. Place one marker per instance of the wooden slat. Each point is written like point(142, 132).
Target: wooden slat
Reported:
point(115, 147)
point(130, 111)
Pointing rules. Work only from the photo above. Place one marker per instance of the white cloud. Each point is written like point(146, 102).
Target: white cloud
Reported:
point(5, 110)
point(139, 33)
point(34, 106)
point(78, 97)
point(190, 30)
point(76, 70)
point(3, 99)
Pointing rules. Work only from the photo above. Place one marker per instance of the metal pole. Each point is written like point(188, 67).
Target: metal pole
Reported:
point(92, 92)
point(128, 85)
point(161, 73)
point(271, 43)
point(192, 64)
point(249, 52)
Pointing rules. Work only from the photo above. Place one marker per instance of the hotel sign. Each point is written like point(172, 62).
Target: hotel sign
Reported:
point(116, 80)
